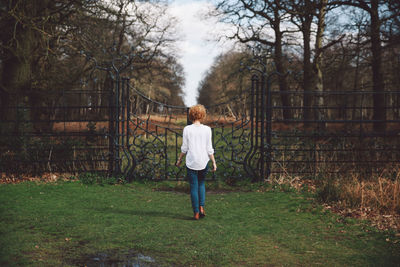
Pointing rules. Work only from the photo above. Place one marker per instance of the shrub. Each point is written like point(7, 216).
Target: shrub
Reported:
point(329, 190)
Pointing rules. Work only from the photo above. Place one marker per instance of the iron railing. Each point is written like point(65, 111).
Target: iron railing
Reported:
point(341, 139)
point(106, 125)
point(71, 134)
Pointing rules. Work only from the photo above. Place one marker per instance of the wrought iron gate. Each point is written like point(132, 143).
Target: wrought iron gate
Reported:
point(105, 124)
point(256, 141)
point(148, 134)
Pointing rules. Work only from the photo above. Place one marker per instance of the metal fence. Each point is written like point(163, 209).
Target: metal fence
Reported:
point(108, 126)
point(341, 138)
point(69, 133)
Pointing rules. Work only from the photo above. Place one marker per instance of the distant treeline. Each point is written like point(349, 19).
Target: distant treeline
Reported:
point(318, 46)
point(49, 47)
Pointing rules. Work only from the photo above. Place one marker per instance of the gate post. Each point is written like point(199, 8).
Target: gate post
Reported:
point(262, 124)
point(117, 125)
point(128, 105)
point(114, 167)
point(111, 131)
point(253, 125)
point(269, 128)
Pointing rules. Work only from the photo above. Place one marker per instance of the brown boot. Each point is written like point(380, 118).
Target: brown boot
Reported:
point(202, 212)
point(196, 216)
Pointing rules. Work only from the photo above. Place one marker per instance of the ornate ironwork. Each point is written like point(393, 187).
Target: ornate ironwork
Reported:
point(151, 146)
point(105, 124)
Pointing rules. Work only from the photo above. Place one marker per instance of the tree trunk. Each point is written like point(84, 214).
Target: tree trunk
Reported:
point(16, 77)
point(319, 86)
point(379, 115)
point(17, 67)
point(308, 70)
point(283, 86)
point(356, 79)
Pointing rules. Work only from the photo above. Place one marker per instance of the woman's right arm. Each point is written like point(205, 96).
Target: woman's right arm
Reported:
point(210, 151)
point(213, 162)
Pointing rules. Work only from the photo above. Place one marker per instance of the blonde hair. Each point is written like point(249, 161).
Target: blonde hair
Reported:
point(197, 112)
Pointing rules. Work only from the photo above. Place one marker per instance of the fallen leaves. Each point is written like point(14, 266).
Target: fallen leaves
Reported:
point(294, 182)
point(46, 177)
point(378, 220)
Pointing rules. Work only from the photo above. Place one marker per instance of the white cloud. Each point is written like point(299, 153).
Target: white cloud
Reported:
point(197, 49)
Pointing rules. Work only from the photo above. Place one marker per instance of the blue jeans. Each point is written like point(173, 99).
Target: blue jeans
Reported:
point(197, 188)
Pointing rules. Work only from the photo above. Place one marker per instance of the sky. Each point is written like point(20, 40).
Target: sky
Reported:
point(197, 47)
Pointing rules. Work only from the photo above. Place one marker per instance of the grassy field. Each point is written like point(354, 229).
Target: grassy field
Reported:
point(71, 224)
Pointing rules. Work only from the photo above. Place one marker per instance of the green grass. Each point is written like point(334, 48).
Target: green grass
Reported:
point(63, 223)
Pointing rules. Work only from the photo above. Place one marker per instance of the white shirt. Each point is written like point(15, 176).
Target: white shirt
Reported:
point(197, 146)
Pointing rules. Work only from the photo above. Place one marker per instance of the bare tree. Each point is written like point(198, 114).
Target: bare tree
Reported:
point(319, 84)
point(379, 11)
point(254, 20)
point(41, 44)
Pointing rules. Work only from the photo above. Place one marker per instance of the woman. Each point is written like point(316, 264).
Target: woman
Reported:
point(197, 146)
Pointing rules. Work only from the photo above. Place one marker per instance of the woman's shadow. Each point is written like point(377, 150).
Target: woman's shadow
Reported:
point(145, 213)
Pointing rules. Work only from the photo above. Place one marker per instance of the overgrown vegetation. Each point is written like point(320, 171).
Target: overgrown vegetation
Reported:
point(378, 193)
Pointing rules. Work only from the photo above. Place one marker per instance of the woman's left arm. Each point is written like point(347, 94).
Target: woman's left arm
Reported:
point(178, 163)
point(184, 147)
point(213, 162)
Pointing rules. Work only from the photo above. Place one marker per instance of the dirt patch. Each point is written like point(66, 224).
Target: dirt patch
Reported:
point(114, 258)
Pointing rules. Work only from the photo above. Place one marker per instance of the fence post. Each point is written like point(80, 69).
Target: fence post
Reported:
point(257, 122)
point(117, 123)
point(269, 128)
point(111, 131)
point(250, 154)
point(262, 124)
point(122, 118)
point(166, 154)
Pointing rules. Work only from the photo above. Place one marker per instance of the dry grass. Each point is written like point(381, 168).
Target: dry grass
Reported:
point(176, 121)
point(381, 194)
point(45, 177)
point(376, 199)
point(77, 126)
